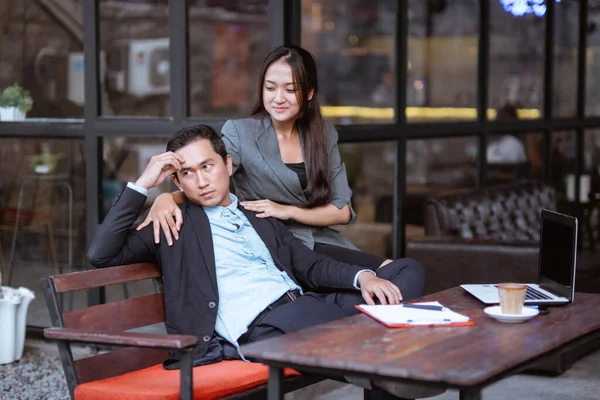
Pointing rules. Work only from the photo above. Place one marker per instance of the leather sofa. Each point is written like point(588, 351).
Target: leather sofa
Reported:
point(486, 235)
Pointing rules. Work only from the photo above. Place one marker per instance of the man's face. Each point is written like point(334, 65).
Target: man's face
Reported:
point(204, 178)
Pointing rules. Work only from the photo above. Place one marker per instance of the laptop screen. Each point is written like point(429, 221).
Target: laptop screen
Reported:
point(558, 246)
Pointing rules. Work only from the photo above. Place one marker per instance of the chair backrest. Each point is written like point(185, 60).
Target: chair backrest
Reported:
point(495, 212)
point(113, 317)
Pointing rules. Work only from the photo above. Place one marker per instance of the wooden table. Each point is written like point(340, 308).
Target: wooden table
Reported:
point(463, 358)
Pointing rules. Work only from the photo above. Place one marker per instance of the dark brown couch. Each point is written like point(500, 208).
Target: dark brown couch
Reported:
point(482, 236)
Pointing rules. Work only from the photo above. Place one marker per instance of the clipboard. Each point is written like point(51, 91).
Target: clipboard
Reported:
point(397, 316)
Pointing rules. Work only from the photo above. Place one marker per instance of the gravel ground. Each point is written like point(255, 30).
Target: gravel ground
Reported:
point(38, 375)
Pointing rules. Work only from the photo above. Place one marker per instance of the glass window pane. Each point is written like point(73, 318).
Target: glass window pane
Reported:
point(228, 41)
point(44, 56)
point(589, 219)
point(124, 161)
point(564, 165)
point(566, 38)
point(442, 60)
point(514, 157)
point(42, 214)
point(591, 160)
point(563, 169)
point(353, 42)
point(370, 170)
point(134, 58)
point(436, 166)
point(592, 99)
point(441, 162)
point(590, 189)
point(517, 57)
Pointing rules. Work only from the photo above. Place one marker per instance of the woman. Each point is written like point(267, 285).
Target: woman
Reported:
point(286, 162)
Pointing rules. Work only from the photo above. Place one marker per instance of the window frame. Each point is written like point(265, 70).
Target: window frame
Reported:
point(284, 27)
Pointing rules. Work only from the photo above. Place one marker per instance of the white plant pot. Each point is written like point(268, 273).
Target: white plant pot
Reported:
point(11, 114)
point(13, 318)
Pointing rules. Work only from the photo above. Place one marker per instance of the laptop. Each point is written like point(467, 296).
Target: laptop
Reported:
point(556, 267)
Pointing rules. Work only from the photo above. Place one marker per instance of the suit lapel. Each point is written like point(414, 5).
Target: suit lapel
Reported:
point(204, 235)
point(268, 146)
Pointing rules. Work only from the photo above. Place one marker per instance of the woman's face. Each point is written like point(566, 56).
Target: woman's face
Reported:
point(279, 93)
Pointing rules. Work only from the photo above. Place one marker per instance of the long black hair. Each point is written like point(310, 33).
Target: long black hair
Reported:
point(309, 122)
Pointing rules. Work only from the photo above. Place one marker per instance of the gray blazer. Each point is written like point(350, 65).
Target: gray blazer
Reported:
point(259, 173)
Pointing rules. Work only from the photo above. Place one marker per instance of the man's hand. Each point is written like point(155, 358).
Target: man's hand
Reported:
point(159, 167)
point(372, 287)
point(267, 208)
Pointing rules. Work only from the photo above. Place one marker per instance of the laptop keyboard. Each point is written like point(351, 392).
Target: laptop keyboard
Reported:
point(533, 294)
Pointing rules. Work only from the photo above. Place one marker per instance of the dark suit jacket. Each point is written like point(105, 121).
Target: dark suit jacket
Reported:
point(188, 267)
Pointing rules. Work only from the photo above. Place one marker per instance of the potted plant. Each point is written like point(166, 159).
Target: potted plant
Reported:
point(15, 102)
point(14, 303)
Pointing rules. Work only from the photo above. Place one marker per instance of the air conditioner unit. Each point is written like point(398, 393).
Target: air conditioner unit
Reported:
point(75, 88)
point(140, 67)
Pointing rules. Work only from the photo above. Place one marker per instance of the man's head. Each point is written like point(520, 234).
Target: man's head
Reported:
point(204, 177)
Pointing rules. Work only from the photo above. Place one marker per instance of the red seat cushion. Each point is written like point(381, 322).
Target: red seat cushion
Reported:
point(210, 382)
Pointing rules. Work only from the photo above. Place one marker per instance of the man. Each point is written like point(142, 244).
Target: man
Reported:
point(233, 278)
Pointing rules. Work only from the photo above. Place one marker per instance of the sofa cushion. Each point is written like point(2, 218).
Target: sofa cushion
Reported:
point(507, 212)
point(212, 381)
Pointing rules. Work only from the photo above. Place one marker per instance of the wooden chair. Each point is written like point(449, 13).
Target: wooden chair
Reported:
point(134, 370)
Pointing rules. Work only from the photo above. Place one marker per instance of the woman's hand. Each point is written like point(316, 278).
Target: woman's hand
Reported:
point(267, 208)
point(164, 214)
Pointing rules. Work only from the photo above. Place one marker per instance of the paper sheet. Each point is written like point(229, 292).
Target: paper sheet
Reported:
point(400, 315)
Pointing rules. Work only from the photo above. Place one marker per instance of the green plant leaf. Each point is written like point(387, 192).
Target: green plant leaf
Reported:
point(16, 96)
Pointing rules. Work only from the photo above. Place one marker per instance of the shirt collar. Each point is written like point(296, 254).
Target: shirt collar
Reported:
point(218, 211)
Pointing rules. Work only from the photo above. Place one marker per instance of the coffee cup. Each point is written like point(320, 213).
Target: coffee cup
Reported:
point(512, 297)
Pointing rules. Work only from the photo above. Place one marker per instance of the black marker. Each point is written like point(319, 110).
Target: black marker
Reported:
point(424, 307)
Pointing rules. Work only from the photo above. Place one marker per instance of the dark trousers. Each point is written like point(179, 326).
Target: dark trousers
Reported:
point(405, 273)
point(350, 256)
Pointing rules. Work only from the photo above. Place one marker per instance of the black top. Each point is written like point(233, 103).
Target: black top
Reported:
point(300, 170)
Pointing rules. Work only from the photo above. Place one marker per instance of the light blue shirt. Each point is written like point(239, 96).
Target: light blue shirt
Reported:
point(247, 278)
